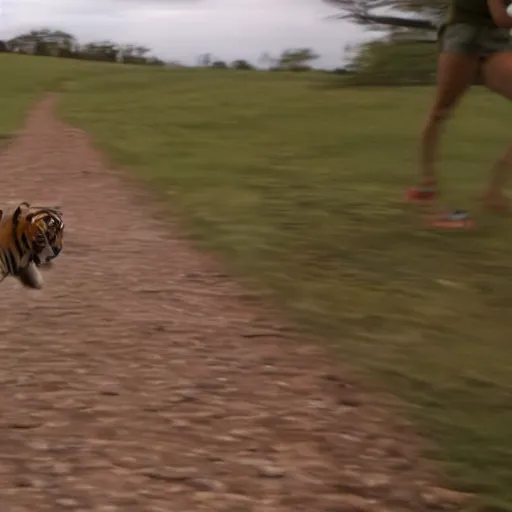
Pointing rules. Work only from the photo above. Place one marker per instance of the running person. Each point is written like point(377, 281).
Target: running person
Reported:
point(474, 41)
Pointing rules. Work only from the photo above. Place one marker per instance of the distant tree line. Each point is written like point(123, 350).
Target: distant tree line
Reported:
point(297, 59)
point(57, 43)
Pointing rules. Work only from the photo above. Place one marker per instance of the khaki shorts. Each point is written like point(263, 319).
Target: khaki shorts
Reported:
point(471, 40)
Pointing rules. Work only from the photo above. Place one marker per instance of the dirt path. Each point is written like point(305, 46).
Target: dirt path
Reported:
point(141, 379)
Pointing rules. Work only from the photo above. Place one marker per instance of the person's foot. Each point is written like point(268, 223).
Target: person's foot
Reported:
point(422, 193)
point(497, 203)
point(456, 219)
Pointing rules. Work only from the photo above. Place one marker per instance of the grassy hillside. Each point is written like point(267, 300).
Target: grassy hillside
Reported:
point(25, 78)
point(301, 189)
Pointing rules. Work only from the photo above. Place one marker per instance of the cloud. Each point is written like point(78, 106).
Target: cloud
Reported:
point(183, 29)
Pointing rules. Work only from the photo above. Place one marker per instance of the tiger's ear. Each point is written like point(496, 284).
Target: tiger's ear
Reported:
point(22, 207)
point(19, 210)
point(1, 214)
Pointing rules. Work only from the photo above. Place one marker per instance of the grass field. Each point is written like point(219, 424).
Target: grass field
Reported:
point(301, 189)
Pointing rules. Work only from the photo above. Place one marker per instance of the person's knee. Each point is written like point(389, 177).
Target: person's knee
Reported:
point(435, 119)
point(439, 114)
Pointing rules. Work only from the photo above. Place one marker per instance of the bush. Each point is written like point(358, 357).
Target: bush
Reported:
point(219, 64)
point(394, 63)
point(242, 65)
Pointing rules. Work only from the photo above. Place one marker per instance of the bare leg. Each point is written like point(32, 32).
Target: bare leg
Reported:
point(497, 73)
point(455, 73)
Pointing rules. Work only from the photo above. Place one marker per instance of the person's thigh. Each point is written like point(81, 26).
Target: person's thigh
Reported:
point(497, 73)
point(455, 74)
point(457, 65)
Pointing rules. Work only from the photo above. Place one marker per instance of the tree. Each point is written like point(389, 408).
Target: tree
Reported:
point(385, 63)
point(130, 53)
point(242, 65)
point(43, 42)
point(41, 48)
point(219, 64)
point(391, 60)
point(140, 51)
point(297, 59)
point(48, 42)
point(101, 50)
point(414, 14)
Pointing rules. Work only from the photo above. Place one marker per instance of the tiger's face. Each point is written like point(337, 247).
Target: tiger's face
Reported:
point(47, 233)
point(30, 236)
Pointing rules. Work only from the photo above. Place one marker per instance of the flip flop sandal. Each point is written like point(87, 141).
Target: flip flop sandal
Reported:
point(457, 219)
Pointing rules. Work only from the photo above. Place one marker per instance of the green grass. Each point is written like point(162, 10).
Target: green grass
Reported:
point(25, 78)
point(301, 189)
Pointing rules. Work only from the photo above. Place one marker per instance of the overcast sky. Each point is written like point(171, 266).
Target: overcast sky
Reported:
point(183, 29)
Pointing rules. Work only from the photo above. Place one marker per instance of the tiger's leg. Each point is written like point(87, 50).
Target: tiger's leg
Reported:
point(30, 276)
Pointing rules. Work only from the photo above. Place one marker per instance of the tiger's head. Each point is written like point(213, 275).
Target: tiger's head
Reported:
point(38, 230)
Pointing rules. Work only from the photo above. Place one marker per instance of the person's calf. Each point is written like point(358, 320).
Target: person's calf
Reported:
point(496, 201)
